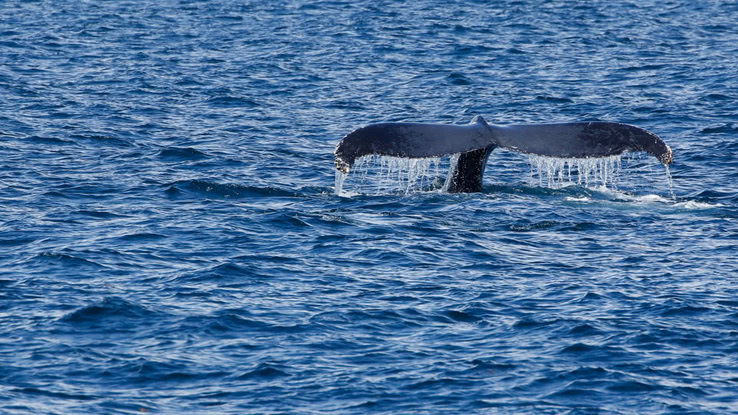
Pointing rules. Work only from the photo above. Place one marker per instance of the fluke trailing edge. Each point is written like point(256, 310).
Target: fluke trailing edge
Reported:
point(476, 140)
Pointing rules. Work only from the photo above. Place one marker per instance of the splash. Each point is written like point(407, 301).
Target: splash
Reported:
point(375, 175)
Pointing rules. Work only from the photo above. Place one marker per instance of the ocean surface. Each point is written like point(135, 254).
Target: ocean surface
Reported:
point(171, 240)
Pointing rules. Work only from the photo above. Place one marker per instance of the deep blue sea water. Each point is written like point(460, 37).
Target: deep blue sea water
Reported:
point(171, 242)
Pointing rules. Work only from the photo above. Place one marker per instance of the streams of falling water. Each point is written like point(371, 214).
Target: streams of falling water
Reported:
point(382, 174)
point(373, 175)
point(555, 172)
point(603, 172)
point(671, 184)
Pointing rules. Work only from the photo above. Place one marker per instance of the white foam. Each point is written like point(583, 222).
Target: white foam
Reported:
point(651, 199)
point(693, 205)
point(577, 199)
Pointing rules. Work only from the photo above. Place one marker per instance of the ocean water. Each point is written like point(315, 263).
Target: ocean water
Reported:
point(171, 240)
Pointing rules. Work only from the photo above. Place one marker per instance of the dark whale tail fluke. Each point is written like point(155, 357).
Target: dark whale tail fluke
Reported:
point(581, 140)
point(412, 140)
point(476, 140)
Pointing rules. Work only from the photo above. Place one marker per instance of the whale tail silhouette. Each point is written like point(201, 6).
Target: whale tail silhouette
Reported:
point(476, 140)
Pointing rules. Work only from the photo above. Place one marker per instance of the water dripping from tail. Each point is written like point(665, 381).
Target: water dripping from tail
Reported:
point(381, 175)
point(603, 172)
point(452, 163)
point(554, 172)
point(378, 175)
point(339, 179)
point(670, 182)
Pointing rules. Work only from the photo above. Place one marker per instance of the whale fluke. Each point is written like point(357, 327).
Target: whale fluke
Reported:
point(581, 140)
point(412, 140)
point(476, 140)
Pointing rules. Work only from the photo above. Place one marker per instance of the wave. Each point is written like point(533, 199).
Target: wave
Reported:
point(721, 129)
point(112, 313)
point(607, 194)
point(263, 371)
point(236, 322)
point(181, 154)
point(102, 139)
point(67, 260)
point(141, 236)
point(225, 190)
point(228, 101)
point(48, 140)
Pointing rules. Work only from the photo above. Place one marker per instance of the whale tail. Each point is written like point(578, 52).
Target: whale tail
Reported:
point(476, 140)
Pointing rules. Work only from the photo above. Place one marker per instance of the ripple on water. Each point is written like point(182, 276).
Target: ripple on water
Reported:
point(170, 241)
point(225, 190)
point(181, 154)
point(111, 314)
